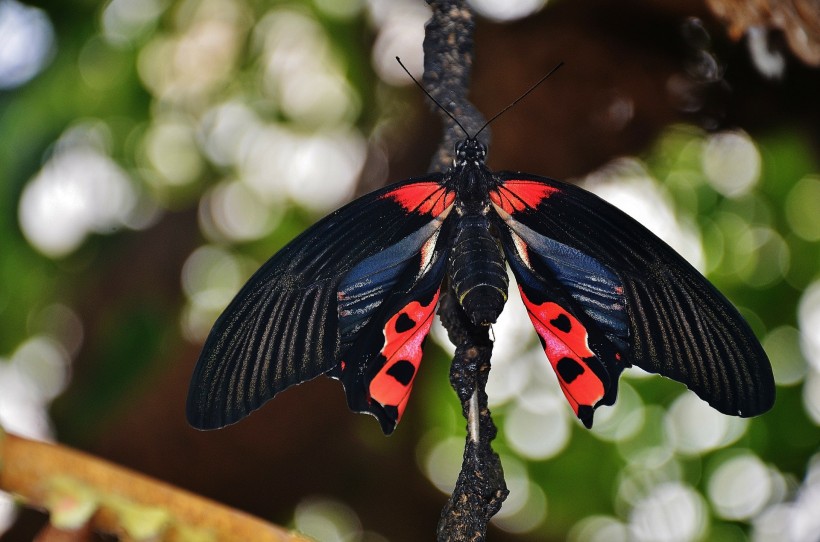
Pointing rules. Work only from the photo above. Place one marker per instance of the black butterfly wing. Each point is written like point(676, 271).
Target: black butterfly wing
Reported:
point(661, 314)
point(291, 321)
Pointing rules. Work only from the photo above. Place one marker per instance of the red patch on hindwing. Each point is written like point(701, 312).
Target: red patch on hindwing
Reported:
point(515, 196)
point(404, 335)
point(423, 197)
point(565, 341)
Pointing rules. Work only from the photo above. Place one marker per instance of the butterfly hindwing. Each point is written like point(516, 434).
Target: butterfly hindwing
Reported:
point(379, 368)
point(580, 347)
point(657, 310)
point(293, 319)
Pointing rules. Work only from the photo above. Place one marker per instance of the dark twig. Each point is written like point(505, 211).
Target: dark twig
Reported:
point(448, 61)
point(480, 488)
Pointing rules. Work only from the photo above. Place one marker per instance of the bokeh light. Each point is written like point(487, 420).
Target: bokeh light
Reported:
point(808, 318)
point(26, 42)
point(300, 71)
point(401, 32)
point(693, 427)
point(231, 211)
point(35, 374)
point(796, 520)
point(769, 60)
point(211, 277)
point(125, 20)
point(624, 419)
point(507, 10)
point(731, 163)
point(186, 67)
point(627, 184)
point(782, 345)
point(646, 470)
point(324, 170)
point(327, 519)
point(221, 129)
point(766, 254)
point(171, 150)
point(740, 487)
point(526, 506)
point(79, 191)
point(671, 512)
point(442, 461)
point(801, 208)
point(537, 429)
point(599, 529)
point(811, 396)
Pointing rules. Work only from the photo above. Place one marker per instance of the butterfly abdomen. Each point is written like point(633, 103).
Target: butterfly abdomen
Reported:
point(478, 270)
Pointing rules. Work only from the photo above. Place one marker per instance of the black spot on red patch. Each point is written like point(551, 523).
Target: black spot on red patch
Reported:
point(561, 323)
point(568, 369)
point(404, 323)
point(402, 371)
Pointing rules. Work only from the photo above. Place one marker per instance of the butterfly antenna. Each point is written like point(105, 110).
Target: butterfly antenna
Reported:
point(424, 90)
point(535, 86)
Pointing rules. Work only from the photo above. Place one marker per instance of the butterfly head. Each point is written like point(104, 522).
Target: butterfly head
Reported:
point(471, 152)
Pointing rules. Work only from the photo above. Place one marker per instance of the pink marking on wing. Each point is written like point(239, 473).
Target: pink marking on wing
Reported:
point(403, 351)
point(515, 196)
point(424, 197)
point(566, 345)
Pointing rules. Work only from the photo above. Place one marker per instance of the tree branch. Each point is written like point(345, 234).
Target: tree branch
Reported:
point(81, 491)
point(448, 61)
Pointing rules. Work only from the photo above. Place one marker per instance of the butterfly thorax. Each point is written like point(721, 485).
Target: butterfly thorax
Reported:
point(477, 267)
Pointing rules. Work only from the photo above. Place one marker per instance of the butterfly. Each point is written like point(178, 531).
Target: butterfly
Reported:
point(354, 297)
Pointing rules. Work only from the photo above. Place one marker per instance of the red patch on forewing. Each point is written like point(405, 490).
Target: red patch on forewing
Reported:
point(515, 196)
point(566, 345)
point(424, 197)
point(404, 334)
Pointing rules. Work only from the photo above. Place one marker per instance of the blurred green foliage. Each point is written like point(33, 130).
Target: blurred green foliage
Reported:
point(119, 87)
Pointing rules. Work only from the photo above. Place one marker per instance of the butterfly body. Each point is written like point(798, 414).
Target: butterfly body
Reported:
point(354, 297)
point(478, 269)
point(477, 266)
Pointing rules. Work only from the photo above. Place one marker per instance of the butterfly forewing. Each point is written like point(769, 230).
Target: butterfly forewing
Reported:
point(283, 327)
point(678, 324)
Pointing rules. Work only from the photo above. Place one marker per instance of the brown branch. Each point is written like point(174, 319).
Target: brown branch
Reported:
point(480, 489)
point(79, 490)
point(448, 60)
